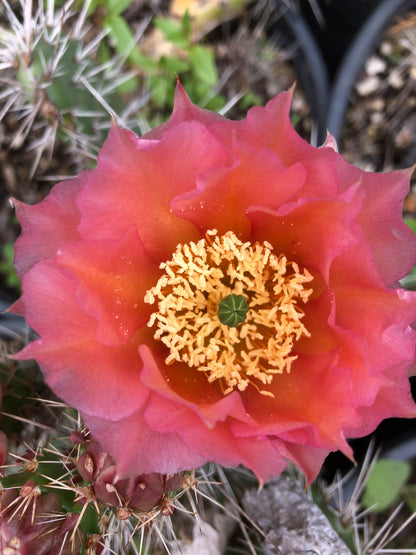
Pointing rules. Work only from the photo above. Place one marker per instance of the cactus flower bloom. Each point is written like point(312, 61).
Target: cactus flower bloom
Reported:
point(222, 291)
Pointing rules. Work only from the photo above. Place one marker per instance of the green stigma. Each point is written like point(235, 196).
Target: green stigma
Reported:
point(232, 310)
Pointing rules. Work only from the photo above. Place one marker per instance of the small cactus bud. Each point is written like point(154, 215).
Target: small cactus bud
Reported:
point(167, 508)
point(30, 530)
point(93, 545)
point(29, 488)
point(136, 494)
point(123, 513)
point(77, 438)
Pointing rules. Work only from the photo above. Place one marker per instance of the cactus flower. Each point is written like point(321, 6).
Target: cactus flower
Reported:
point(222, 291)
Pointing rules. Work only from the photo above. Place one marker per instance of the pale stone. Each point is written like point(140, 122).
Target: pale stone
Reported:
point(377, 105)
point(386, 48)
point(206, 539)
point(375, 65)
point(376, 118)
point(396, 80)
point(368, 85)
point(293, 523)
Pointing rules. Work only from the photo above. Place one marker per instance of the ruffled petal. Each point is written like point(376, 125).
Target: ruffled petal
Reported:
point(134, 184)
point(392, 242)
point(47, 225)
point(223, 195)
point(301, 232)
point(92, 377)
point(311, 405)
point(139, 449)
point(217, 441)
point(189, 388)
point(309, 459)
point(184, 110)
point(358, 289)
point(111, 278)
point(271, 127)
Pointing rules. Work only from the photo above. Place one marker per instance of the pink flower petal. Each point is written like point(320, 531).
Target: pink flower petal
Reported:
point(183, 111)
point(111, 280)
point(392, 242)
point(75, 366)
point(302, 232)
point(139, 449)
point(223, 195)
point(162, 414)
point(47, 225)
point(211, 408)
point(134, 185)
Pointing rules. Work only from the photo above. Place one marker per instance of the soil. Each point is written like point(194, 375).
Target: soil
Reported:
point(380, 124)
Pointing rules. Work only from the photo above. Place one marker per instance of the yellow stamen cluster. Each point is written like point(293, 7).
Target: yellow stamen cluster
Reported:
point(194, 282)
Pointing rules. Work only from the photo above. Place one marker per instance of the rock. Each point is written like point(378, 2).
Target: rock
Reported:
point(292, 522)
point(206, 539)
point(375, 65)
point(368, 85)
point(396, 79)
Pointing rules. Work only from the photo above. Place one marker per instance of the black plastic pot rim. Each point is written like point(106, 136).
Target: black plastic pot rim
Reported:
point(309, 65)
point(362, 47)
point(12, 326)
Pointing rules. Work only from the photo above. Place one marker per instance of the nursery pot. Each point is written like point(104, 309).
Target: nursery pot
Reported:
point(12, 326)
point(291, 31)
point(359, 51)
point(335, 24)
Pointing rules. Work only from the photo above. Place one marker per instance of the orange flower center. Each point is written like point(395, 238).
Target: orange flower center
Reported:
point(256, 293)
